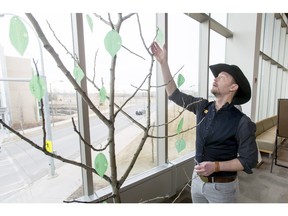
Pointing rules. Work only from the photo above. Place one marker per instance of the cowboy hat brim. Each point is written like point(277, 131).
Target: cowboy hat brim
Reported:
point(243, 94)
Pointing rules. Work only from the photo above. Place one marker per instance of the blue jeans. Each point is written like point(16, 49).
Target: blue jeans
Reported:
point(213, 192)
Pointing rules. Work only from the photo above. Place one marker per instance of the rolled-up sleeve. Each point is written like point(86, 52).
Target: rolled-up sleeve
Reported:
point(247, 149)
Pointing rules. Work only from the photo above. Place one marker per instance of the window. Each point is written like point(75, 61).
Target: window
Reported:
point(272, 72)
point(23, 108)
point(216, 55)
point(183, 37)
point(132, 68)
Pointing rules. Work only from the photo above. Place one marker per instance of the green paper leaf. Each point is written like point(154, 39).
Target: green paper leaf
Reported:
point(78, 73)
point(180, 145)
point(18, 35)
point(37, 87)
point(180, 80)
point(112, 42)
point(102, 95)
point(90, 22)
point(160, 37)
point(101, 164)
point(180, 125)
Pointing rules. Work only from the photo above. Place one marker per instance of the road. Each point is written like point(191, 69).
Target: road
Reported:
point(21, 164)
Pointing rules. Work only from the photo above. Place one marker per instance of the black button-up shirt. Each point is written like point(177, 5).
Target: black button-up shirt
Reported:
point(221, 135)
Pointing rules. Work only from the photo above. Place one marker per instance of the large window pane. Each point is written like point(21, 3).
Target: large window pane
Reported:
point(132, 68)
point(183, 36)
point(217, 55)
point(22, 109)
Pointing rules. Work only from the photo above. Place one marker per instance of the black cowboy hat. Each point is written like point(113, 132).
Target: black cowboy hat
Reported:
point(243, 94)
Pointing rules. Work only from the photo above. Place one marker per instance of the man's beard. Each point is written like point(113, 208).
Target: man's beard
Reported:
point(214, 91)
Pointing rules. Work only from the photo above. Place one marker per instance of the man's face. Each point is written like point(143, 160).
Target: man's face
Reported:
point(223, 84)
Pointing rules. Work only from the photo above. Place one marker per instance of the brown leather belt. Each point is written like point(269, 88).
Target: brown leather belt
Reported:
point(218, 179)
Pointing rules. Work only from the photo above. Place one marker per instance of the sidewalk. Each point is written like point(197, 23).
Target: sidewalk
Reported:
point(47, 189)
point(50, 189)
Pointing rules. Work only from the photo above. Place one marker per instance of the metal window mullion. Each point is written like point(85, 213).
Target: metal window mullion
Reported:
point(82, 108)
point(161, 101)
point(204, 49)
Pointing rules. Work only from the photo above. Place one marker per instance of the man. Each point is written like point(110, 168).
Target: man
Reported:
point(225, 137)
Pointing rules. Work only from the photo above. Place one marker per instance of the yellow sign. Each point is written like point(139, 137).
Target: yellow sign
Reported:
point(49, 146)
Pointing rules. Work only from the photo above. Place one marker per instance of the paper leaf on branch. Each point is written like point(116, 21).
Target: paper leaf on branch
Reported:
point(102, 95)
point(113, 42)
point(78, 74)
point(180, 80)
point(101, 164)
point(37, 87)
point(90, 22)
point(18, 35)
point(180, 145)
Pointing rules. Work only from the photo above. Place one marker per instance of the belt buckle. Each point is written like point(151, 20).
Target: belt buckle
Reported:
point(204, 179)
point(207, 179)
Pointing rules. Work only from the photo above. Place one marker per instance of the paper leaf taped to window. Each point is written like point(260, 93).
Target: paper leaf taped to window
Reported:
point(100, 164)
point(90, 22)
point(180, 80)
point(112, 42)
point(102, 94)
point(18, 35)
point(78, 74)
point(160, 37)
point(37, 87)
point(180, 145)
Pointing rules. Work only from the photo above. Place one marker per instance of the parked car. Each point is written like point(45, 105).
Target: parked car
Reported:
point(140, 112)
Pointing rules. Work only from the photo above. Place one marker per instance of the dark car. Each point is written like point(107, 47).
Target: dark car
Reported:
point(140, 112)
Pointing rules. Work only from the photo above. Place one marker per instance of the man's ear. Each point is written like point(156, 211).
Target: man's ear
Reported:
point(234, 87)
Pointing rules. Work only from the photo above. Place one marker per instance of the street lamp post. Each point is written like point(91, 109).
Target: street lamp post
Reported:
point(45, 99)
point(52, 98)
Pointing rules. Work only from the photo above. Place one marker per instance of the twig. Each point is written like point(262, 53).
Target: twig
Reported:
point(84, 141)
point(100, 200)
point(155, 199)
point(186, 185)
point(165, 84)
point(172, 135)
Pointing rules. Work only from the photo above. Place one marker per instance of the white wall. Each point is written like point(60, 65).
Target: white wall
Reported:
point(243, 49)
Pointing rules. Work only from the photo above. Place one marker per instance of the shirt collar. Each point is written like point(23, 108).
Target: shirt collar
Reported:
point(226, 106)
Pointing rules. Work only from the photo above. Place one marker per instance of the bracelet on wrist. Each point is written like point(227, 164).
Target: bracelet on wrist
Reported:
point(217, 166)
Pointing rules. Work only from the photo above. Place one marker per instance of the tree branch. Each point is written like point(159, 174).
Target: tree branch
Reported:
point(52, 154)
